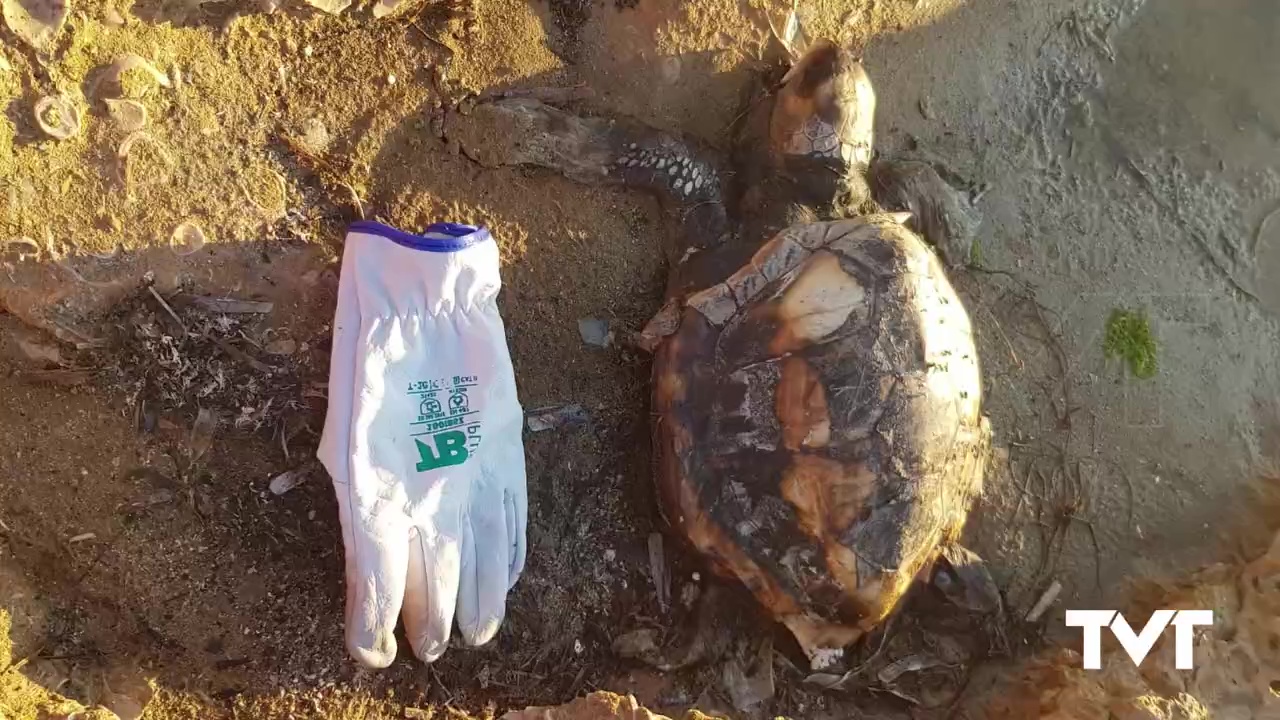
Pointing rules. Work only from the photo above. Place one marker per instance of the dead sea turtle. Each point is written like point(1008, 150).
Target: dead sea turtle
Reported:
point(816, 391)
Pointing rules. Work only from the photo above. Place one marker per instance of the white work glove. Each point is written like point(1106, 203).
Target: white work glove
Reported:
point(422, 439)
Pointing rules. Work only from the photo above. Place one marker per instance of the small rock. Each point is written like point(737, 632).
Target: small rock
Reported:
point(287, 480)
point(40, 352)
point(125, 707)
point(595, 332)
point(391, 79)
point(639, 644)
point(315, 136)
point(159, 497)
point(128, 115)
point(824, 658)
point(749, 681)
point(926, 107)
point(550, 418)
point(281, 346)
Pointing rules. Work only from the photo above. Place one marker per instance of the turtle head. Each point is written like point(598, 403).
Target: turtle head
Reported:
point(802, 153)
point(824, 110)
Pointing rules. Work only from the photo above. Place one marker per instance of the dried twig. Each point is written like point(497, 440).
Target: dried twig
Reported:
point(1012, 355)
point(167, 309)
point(658, 568)
point(243, 357)
point(549, 95)
point(1046, 599)
point(231, 306)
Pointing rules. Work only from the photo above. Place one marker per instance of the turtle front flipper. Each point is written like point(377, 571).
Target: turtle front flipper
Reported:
point(684, 176)
point(941, 214)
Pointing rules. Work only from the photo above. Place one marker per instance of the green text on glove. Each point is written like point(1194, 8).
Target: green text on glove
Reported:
point(446, 417)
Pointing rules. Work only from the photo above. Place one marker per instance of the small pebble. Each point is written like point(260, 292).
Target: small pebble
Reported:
point(610, 555)
point(307, 51)
point(594, 331)
point(578, 649)
point(286, 481)
point(281, 346)
point(391, 79)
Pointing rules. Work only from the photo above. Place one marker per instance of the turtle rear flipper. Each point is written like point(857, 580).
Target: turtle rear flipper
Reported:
point(962, 576)
point(684, 176)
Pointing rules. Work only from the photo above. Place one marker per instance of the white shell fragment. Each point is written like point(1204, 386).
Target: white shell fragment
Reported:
point(334, 7)
point(58, 117)
point(19, 249)
point(791, 36)
point(128, 115)
point(187, 238)
point(36, 22)
point(385, 8)
point(130, 65)
point(126, 164)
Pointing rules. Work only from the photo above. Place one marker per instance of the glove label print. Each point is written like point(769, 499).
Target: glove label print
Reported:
point(447, 430)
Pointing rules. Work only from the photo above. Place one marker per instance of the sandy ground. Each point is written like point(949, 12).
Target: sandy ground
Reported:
point(1120, 153)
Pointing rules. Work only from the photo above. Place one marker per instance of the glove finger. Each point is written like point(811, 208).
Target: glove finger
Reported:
point(375, 587)
point(432, 593)
point(482, 601)
point(516, 519)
